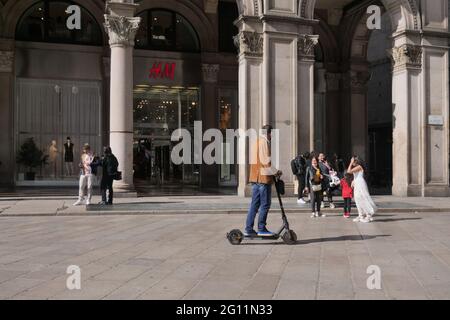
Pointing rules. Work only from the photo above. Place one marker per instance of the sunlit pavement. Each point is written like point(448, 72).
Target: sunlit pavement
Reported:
point(188, 257)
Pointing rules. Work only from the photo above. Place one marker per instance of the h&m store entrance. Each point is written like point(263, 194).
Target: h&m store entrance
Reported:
point(168, 96)
point(158, 111)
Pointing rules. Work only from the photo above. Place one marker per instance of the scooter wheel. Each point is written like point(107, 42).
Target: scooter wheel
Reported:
point(235, 237)
point(290, 237)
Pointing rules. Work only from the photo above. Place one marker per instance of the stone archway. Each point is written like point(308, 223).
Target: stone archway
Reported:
point(266, 57)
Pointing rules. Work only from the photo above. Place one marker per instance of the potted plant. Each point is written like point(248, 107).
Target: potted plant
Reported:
point(31, 157)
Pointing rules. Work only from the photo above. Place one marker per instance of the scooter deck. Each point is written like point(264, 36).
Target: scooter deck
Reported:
point(255, 237)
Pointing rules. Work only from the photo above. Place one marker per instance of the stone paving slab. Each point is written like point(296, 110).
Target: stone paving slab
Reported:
point(195, 205)
point(188, 257)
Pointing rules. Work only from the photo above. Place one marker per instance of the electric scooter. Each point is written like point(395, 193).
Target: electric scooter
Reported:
point(235, 237)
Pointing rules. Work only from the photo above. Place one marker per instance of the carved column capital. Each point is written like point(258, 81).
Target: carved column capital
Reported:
point(250, 43)
point(306, 44)
point(6, 61)
point(406, 56)
point(357, 80)
point(210, 72)
point(121, 30)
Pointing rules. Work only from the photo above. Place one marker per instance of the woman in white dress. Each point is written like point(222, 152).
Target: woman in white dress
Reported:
point(364, 203)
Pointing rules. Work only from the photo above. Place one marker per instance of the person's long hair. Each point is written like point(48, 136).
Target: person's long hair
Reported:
point(360, 162)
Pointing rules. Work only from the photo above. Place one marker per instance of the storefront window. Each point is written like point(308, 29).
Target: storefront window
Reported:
point(46, 22)
point(166, 30)
point(228, 120)
point(158, 111)
point(59, 116)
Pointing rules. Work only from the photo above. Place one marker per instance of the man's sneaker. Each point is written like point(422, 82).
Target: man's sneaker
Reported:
point(323, 215)
point(301, 201)
point(88, 202)
point(313, 215)
point(78, 203)
point(357, 219)
point(332, 205)
point(250, 234)
point(265, 233)
point(346, 215)
point(370, 218)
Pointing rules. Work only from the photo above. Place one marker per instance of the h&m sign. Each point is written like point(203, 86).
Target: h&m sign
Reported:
point(163, 70)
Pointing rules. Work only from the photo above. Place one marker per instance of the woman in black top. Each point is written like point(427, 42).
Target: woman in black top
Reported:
point(314, 179)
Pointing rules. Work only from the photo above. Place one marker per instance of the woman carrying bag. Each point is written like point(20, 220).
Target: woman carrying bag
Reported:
point(314, 178)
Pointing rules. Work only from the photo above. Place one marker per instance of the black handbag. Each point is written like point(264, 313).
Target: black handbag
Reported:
point(117, 175)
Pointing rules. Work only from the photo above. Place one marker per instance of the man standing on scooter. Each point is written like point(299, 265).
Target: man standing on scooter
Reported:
point(261, 178)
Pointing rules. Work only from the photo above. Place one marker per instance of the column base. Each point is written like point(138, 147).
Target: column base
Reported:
point(437, 191)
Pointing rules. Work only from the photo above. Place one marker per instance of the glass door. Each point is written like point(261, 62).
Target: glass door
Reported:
point(158, 112)
point(228, 120)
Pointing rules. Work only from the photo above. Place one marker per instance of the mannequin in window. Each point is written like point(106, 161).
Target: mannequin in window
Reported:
point(52, 158)
point(68, 157)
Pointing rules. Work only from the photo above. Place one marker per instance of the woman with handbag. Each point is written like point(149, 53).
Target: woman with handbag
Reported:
point(314, 178)
point(110, 173)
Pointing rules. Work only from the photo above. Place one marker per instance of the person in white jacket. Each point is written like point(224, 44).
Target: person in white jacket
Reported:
point(86, 177)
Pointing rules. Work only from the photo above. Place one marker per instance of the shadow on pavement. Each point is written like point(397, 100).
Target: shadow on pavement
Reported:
point(393, 220)
point(358, 237)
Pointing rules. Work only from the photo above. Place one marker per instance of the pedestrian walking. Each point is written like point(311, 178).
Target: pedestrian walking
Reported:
point(314, 179)
point(261, 178)
point(110, 165)
point(299, 166)
point(364, 203)
point(347, 194)
point(87, 178)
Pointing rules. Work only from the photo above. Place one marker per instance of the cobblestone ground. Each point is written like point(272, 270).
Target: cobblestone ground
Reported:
point(188, 257)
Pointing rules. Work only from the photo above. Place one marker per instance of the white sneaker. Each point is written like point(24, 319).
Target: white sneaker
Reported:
point(357, 219)
point(370, 218)
point(88, 202)
point(301, 201)
point(78, 203)
point(313, 215)
point(323, 215)
point(365, 220)
point(332, 205)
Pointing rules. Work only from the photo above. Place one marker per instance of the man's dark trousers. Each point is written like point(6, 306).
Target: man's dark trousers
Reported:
point(107, 184)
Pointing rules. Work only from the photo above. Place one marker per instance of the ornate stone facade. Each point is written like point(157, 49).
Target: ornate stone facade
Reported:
point(250, 43)
point(406, 56)
point(306, 44)
point(6, 61)
point(121, 30)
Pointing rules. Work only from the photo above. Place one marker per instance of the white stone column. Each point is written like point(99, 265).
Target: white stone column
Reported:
point(121, 26)
point(250, 45)
point(406, 98)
